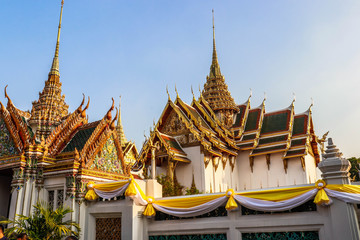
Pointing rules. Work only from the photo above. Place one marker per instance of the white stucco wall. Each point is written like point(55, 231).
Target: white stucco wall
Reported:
point(184, 172)
point(312, 172)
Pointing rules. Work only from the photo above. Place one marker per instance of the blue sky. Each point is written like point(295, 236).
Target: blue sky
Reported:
point(135, 48)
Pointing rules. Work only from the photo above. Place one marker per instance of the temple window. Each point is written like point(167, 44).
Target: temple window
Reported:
point(56, 198)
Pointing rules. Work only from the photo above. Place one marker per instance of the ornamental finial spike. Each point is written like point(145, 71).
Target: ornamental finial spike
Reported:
point(192, 91)
point(214, 68)
point(177, 94)
point(55, 64)
point(167, 91)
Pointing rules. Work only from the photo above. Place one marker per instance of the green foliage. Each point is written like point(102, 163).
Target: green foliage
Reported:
point(192, 191)
point(354, 170)
point(44, 223)
point(169, 188)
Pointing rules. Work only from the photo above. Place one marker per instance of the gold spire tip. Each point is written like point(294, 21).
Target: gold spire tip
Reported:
point(167, 91)
point(177, 94)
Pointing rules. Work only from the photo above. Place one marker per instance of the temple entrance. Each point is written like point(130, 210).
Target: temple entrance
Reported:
point(5, 192)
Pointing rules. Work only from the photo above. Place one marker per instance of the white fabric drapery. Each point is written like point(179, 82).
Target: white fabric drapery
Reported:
point(111, 194)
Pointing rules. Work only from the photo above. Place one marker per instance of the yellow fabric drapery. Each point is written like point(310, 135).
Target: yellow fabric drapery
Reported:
point(276, 195)
point(187, 202)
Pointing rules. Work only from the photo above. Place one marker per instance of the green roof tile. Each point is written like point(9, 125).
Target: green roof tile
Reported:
point(252, 120)
point(300, 125)
point(275, 122)
point(79, 140)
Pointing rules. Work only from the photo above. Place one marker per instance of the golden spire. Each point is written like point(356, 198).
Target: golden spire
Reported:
point(120, 129)
point(55, 64)
point(214, 68)
point(216, 91)
point(51, 105)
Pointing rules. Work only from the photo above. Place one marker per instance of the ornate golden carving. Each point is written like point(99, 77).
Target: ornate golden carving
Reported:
point(174, 125)
point(321, 141)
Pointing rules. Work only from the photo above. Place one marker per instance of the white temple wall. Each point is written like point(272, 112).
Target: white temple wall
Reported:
point(295, 173)
point(209, 178)
point(184, 172)
point(218, 178)
point(234, 176)
point(243, 171)
point(228, 183)
point(276, 175)
point(259, 177)
point(312, 172)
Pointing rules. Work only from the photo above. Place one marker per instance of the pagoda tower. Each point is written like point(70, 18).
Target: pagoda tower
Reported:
point(216, 91)
point(50, 109)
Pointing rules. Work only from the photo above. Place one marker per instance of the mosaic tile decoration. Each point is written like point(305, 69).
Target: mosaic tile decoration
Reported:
point(7, 146)
point(107, 159)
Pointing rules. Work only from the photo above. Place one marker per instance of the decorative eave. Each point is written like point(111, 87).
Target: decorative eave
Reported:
point(21, 127)
point(12, 128)
point(238, 130)
point(11, 162)
point(62, 134)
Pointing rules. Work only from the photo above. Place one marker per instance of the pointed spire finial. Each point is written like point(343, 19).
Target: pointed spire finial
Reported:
point(311, 105)
point(177, 94)
point(55, 64)
point(214, 68)
point(192, 91)
point(167, 91)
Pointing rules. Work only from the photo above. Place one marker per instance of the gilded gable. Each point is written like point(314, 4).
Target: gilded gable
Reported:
point(173, 125)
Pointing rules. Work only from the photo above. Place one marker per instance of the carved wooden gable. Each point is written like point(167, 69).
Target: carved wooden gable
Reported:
point(107, 159)
point(173, 125)
point(7, 146)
